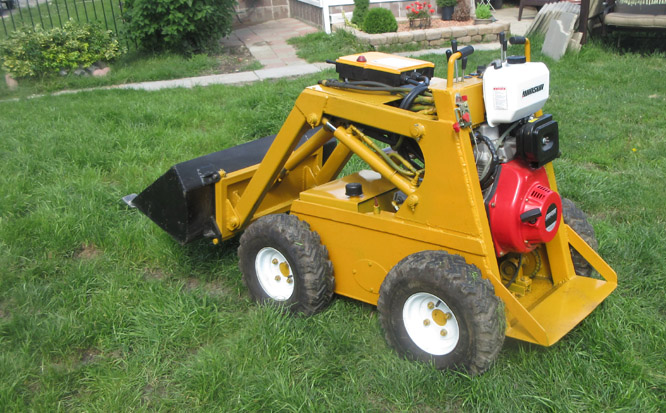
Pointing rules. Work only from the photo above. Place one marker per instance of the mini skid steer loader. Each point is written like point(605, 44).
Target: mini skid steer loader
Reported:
point(457, 233)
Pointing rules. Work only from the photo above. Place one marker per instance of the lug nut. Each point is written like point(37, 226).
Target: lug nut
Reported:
point(443, 332)
point(290, 280)
point(275, 261)
point(277, 278)
point(426, 322)
point(448, 316)
point(431, 305)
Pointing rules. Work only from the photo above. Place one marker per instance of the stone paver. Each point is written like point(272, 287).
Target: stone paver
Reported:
point(268, 41)
point(559, 33)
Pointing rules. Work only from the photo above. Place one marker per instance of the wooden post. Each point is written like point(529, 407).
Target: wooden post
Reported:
point(582, 19)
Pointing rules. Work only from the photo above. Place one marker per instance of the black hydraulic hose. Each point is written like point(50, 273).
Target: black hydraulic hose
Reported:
point(515, 275)
point(494, 163)
point(409, 99)
point(363, 86)
point(368, 83)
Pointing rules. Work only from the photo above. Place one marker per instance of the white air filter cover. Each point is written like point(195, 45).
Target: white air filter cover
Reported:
point(514, 91)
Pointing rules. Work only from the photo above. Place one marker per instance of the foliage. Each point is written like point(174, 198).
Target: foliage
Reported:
point(319, 46)
point(360, 11)
point(134, 67)
point(446, 3)
point(483, 11)
point(52, 13)
point(39, 52)
point(462, 12)
point(379, 20)
point(419, 10)
point(182, 26)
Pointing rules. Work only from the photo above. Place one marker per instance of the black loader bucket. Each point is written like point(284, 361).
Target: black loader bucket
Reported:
point(182, 201)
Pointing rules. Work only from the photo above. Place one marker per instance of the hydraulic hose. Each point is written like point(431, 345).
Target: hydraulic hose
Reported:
point(411, 96)
point(515, 275)
point(365, 86)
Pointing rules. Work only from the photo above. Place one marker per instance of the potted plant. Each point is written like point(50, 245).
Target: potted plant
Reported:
point(483, 14)
point(446, 7)
point(419, 13)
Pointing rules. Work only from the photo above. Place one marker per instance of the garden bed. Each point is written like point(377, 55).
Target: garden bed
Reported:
point(434, 24)
point(438, 34)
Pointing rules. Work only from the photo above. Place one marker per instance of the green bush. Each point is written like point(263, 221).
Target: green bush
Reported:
point(360, 11)
point(183, 26)
point(380, 20)
point(39, 52)
point(483, 11)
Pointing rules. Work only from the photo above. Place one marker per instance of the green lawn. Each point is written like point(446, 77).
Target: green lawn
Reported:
point(133, 67)
point(319, 46)
point(102, 311)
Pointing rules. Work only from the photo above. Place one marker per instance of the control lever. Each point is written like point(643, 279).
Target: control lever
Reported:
point(454, 49)
point(465, 52)
point(503, 46)
point(522, 40)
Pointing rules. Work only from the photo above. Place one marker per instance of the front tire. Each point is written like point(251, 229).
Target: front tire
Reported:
point(434, 307)
point(283, 262)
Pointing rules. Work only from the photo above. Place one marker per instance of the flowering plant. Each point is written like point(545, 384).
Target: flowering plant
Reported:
point(419, 10)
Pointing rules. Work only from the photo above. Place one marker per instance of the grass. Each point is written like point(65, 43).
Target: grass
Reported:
point(133, 67)
point(102, 311)
point(319, 46)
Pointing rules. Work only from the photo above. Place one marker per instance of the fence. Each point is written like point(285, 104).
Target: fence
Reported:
point(17, 14)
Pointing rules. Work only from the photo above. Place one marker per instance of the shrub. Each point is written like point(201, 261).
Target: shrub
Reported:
point(38, 52)
point(461, 12)
point(380, 20)
point(183, 26)
point(360, 10)
point(483, 11)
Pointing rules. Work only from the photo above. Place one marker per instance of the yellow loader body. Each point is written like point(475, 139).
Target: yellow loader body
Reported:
point(443, 209)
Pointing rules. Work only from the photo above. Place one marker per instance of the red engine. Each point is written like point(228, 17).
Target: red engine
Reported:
point(523, 211)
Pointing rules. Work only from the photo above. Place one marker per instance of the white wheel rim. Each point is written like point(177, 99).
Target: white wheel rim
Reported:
point(274, 274)
point(431, 324)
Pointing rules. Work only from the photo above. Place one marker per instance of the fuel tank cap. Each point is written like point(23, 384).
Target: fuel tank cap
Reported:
point(515, 60)
point(354, 189)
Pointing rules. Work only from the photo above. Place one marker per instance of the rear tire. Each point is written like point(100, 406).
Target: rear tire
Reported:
point(283, 262)
point(577, 220)
point(436, 308)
